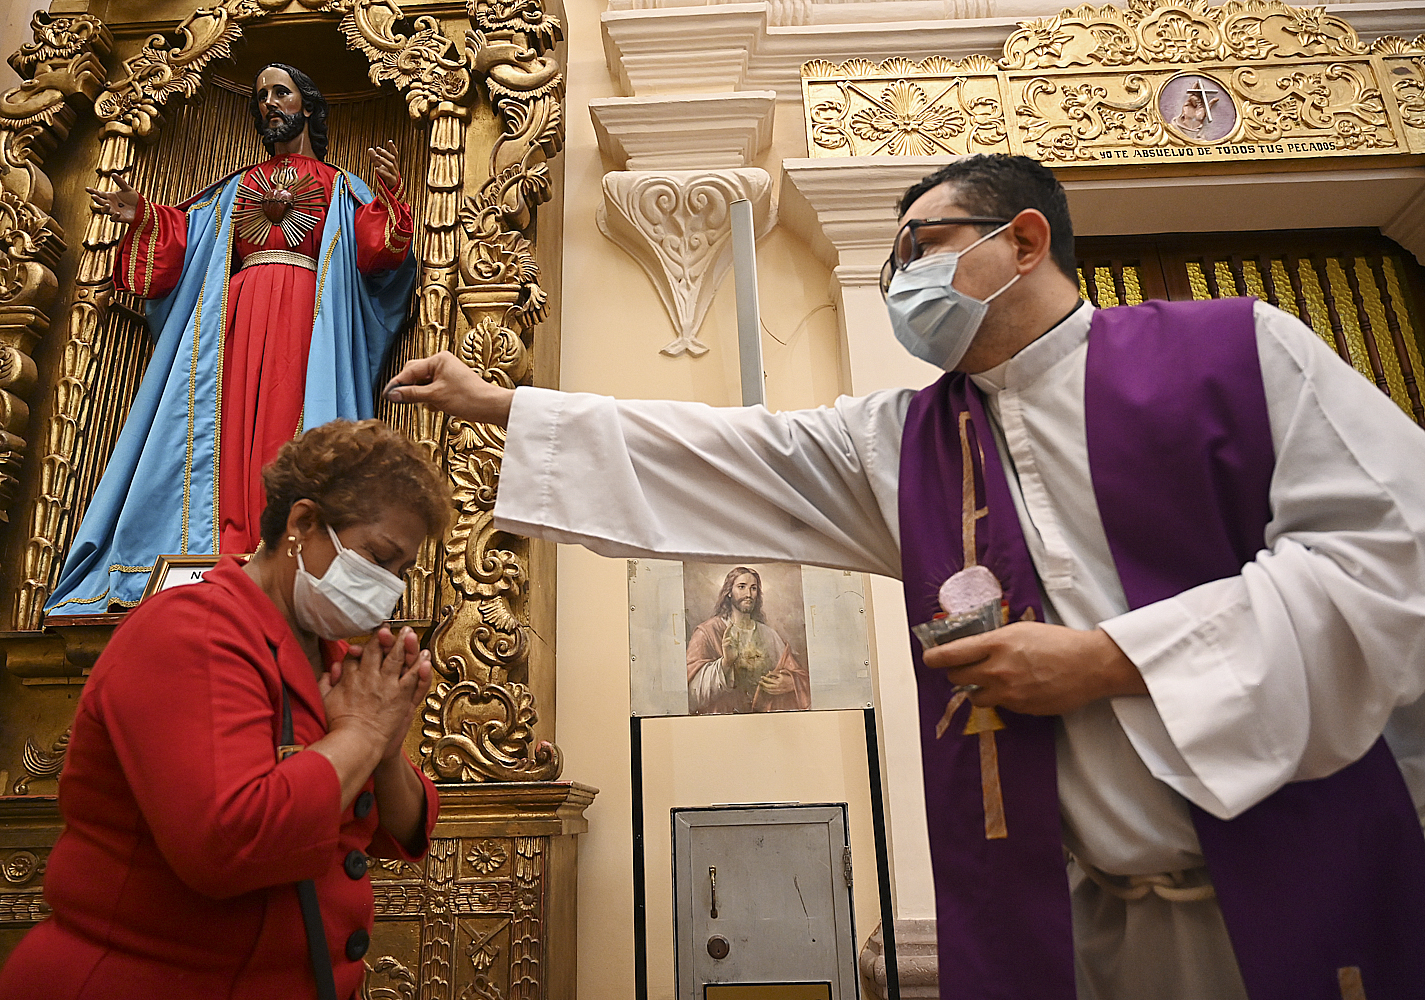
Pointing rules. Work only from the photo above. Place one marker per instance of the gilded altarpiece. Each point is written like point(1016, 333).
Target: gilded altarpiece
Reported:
point(156, 92)
point(1155, 82)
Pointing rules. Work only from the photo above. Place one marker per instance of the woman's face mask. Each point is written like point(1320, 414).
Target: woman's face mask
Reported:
point(931, 318)
point(352, 597)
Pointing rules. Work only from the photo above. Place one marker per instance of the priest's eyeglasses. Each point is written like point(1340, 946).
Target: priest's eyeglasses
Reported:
point(911, 245)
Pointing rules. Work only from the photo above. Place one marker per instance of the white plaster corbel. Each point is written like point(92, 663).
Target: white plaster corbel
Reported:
point(676, 224)
point(684, 131)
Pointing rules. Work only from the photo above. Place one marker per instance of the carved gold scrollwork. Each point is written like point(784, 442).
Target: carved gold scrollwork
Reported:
point(61, 69)
point(478, 721)
point(1177, 31)
point(435, 75)
point(170, 67)
point(41, 765)
point(403, 981)
point(1405, 67)
point(1169, 80)
point(424, 65)
point(476, 732)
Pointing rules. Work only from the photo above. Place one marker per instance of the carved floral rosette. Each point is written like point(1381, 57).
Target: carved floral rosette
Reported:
point(1159, 81)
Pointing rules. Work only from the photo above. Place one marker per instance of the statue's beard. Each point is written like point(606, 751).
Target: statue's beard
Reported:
point(290, 128)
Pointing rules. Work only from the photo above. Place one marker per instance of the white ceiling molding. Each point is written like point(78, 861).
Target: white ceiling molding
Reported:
point(684, 131)
point(676, 224)
point(739, 46)
point(789, 13)
point(1407, 226)
point(844, 207)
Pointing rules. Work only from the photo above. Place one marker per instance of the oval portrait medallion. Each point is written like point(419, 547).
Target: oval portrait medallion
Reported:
point(1197, 108)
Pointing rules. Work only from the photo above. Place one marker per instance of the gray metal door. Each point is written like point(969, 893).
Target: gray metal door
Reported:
point(782, 913)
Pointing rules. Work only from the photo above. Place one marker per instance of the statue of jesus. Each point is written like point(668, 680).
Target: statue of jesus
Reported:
point(273, 296)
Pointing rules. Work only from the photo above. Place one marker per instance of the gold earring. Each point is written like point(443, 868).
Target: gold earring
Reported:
point(293, 546)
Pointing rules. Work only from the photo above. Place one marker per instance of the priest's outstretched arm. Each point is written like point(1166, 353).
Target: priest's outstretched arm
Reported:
point(684, 480)
point(1287, 671)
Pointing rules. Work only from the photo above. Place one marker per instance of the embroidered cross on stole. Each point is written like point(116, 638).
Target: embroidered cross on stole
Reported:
point(981, 722)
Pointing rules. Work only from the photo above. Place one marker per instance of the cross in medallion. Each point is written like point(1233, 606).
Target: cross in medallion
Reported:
point(1206, 95)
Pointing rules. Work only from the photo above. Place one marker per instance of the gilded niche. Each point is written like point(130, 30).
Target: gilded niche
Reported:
point(1159, 81)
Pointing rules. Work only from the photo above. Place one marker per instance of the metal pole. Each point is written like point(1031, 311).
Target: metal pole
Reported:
point(640, 892)
point(749, 323)
point(883, 862)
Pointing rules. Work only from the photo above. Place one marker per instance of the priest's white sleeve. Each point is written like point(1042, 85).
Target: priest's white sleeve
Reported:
point(655, 478)
point(1293, 669)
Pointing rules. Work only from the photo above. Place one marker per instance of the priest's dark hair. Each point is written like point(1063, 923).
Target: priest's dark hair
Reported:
point(313, 103)
point(1002, 186)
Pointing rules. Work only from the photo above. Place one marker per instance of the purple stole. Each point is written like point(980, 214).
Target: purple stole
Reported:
point(1322, 885)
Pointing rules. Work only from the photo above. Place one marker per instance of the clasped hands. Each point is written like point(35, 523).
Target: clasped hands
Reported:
point(377, 688)
point(1038, 669)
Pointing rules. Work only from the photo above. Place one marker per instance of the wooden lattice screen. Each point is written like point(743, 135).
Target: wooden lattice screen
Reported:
point(1357, 289)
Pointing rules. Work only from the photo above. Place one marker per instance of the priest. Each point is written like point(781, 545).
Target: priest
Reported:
point(1210, 535)
point(273, 296)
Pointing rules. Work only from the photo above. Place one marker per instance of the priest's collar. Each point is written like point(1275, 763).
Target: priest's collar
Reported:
point(1046, 351)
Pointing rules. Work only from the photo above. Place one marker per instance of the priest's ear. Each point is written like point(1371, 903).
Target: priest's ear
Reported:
point(1032, 237)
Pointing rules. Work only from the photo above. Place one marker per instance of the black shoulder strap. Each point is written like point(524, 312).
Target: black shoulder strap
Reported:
point(306, 889)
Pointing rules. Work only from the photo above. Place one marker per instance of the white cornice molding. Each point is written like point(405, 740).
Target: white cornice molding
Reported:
point(1407, 227)
point(1354, 195)
point(844, 207)
point(687, 50)
point(684, 131)
point(789, 13)
point(724, 47)
point(676, 224)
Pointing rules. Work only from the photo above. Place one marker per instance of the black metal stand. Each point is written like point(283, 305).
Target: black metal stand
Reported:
point(640, 888)
point(883, 857)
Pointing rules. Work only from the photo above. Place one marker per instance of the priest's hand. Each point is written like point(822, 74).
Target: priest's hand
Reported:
point(383, 160)
point(121, 205)
point(1038, 669)
point(444, 382)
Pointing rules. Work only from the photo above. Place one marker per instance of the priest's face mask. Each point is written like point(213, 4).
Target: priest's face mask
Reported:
point(941, 277)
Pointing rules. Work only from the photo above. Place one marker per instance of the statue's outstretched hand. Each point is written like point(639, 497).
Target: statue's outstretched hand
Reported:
point(444, 382)
point(121, 205)
point(383, 159)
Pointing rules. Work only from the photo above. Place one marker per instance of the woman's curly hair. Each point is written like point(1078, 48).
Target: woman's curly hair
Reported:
point(353, 472)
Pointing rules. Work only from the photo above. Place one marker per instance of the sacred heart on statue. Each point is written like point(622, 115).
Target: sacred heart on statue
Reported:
point(283, 200)
point(276, 204)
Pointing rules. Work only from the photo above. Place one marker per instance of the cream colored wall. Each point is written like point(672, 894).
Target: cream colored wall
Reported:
point(14, 32)
point(613, 326)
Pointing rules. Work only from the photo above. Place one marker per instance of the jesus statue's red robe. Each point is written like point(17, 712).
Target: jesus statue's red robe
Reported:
point(270, 303)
